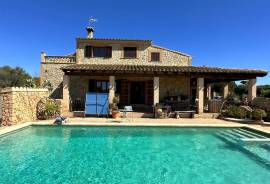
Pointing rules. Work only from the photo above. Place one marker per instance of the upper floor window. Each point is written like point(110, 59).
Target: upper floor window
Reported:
point(105, 52)
point(130, 52)
point(155, 56)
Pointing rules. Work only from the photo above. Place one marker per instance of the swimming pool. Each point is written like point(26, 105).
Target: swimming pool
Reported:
point(67, 154)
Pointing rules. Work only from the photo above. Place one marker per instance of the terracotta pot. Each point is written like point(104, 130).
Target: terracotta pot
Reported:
point(115, 114)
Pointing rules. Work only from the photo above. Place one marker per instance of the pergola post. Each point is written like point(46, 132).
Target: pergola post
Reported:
point(111, 89)
point(252, 89)
point(156, 90)
point(209, 91)
point(66, 97)
point(225, 90)
point(200, 94)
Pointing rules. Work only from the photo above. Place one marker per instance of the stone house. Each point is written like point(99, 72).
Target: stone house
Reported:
point(139, 72)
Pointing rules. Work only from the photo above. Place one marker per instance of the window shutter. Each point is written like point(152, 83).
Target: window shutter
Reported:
point(109, 52)
point(88, 52)
point(155, 56)
point(130, 52)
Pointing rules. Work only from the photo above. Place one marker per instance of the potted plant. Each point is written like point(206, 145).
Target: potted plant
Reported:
point(258, 114)
point(114, 108)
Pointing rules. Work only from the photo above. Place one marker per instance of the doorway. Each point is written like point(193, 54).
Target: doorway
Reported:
point(137, 92)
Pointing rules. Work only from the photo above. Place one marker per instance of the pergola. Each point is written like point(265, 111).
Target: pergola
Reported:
point(204, 76)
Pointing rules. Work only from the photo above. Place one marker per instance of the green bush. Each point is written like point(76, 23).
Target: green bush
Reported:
point(235, 112)
point(48, 108)
point(51, 109)
point(233, 100)
point(258, 114)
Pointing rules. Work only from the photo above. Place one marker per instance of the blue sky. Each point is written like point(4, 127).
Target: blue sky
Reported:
point(223, 33)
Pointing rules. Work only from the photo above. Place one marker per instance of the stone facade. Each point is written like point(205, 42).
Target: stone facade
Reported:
point(20, 104)
point(50, 65)
point(167, 57)
point(51, 72)
point(177, 86)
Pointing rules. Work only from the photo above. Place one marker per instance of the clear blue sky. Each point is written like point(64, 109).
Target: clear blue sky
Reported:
point(224, 33)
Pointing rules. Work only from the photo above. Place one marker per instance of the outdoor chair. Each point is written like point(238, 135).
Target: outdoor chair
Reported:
point(126, 110)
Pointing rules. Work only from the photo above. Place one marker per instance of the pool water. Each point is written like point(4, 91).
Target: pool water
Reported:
point(46, 154)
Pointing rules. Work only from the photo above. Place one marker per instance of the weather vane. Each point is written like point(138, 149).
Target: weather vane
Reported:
point(91, 21)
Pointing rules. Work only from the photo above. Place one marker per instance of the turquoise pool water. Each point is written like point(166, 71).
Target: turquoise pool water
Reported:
point(130, 155)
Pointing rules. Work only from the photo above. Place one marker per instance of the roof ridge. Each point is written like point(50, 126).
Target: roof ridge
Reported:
point(178, 52)
point(114, 39)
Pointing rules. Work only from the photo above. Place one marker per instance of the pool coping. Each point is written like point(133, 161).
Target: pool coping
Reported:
point(15, 128)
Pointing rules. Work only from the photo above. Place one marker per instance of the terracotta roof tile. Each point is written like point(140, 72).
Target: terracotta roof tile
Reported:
point(157, 68)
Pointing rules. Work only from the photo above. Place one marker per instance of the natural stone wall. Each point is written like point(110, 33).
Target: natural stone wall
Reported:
point(50, 65)
point(1, 105)
point(168, 58)
point(60, 59)
point(19, 104)
point(174, 87)
point(51, 72)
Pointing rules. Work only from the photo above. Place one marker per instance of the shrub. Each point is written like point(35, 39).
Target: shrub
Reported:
point(235, 112)
point(51, 110)
point(48, 108)
point(233, 100)
point(258, 114)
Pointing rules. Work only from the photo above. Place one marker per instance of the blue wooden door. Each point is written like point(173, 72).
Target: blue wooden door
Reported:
point(91, 103)
point(97, 104)
point(102, 103)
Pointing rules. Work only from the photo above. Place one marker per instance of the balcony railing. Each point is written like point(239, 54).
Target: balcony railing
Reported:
point(60, 59)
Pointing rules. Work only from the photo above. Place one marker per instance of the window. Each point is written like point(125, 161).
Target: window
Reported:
point(155, 56)
point(98, 86)
point(105, 52)
point(102, 52)
point(130, 52)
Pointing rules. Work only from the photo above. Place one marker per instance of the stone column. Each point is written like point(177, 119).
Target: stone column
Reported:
point(225, 90)
point(200, 94)
point(156, 90)
point(66, 97)
point(111, 88)
point(252, 89)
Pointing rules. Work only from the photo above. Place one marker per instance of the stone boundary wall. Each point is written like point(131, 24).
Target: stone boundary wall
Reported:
point(1, 104)
point(20, 104)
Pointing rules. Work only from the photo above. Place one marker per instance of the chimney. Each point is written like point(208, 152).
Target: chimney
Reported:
point(43, 55)
point(90, 32)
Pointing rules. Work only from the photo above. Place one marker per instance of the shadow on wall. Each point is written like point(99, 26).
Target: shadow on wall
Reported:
point(57, 93)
